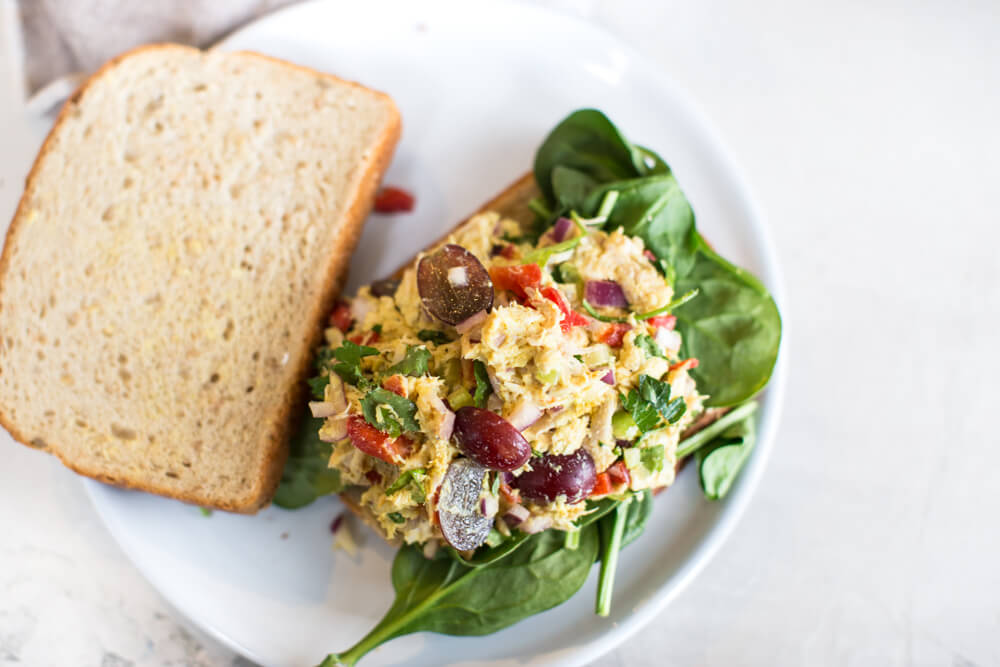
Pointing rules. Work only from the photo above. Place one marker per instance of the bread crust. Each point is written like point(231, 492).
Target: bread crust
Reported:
point(268, 474)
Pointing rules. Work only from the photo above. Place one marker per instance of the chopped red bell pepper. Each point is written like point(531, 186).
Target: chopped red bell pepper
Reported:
point(571, 318)
point(509, 495)
point(366, 338)
point(517, 278)
point(602, 485)
point(664, 321)
point(375, 443)
point(341, 316)
point(394, 383)
point(685, 365)
point(613, 334)
point(393, 200)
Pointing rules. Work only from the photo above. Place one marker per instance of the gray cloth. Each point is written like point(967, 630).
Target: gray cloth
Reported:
point(66, 36)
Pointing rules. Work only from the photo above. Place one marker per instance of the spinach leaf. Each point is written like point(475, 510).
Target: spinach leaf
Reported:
point(612, 532)
point(414, 363)
point(721, 461)
point(348, 366)
point(639, 511)
point(488, 555)
point(693, 443)
point(307, 474)
point(389, 412)
point(483, 386)
point(442, 595)
point(587, 142)
point(733, 328)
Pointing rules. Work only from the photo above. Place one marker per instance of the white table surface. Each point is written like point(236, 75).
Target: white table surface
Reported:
point(869, 133)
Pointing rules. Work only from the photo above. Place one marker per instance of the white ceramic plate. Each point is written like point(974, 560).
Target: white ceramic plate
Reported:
point(478, 87)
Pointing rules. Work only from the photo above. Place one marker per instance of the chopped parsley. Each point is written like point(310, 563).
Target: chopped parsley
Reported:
point(650, 403)
point(414, 363)
point(389, 412)
point(348, 366)
point(396, 517)
point(415, 480)
point(649, 346)
point(483, 386)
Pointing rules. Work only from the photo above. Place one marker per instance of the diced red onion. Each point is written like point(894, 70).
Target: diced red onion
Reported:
point(499, 339)
point(322, 409)
point(536, 524)
point(605, 293)
point(470, 323)
point(561, 229)
point(524, 414)
point(609, 377)
point(337, 522)
point(623, 443)
point(489, 506)
point(516, 514)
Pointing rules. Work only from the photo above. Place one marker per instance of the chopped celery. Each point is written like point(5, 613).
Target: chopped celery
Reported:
point(623, 426)
point(460, 398)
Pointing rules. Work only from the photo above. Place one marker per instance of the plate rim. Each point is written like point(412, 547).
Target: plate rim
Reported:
point(741, 496)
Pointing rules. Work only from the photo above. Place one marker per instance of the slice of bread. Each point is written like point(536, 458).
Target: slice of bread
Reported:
point(181, 237)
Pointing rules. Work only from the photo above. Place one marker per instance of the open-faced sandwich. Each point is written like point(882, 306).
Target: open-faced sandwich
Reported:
point(505, 406)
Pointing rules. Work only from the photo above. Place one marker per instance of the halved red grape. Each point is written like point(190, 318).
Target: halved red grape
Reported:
point(490, 440)
point(453, 284)
point(571, 475)
point(462, 522)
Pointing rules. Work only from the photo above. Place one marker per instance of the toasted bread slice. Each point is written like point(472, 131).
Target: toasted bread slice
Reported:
point(181, 237)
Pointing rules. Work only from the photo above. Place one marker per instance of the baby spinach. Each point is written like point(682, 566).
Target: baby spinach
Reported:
point(307, 474)
point(693, 443)
point(617, 530)
point(733, 327)
point(720, 462)
point(611, 529)
point(442, 595)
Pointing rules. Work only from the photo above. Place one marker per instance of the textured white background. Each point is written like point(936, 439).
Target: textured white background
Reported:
point(868, 131)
